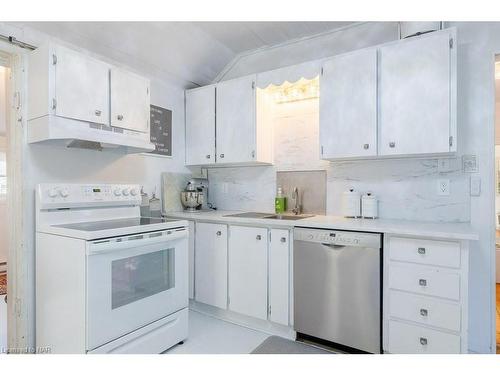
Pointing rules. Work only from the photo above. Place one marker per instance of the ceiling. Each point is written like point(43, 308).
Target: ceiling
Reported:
point(189, 53)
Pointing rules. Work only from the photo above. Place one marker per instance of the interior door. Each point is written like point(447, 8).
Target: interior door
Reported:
point(130, 100)
point(200, 126)
point(81, 87)
point(348, 105)
point(236, 127)
point(248, 271)
point(279, 280)
point(211, 264)
point(415, 95)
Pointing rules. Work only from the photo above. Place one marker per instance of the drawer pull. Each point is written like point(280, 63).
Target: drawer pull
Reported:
point(423, 341)
point(421, 250)
point(283, 239)
point(422, 282)
point(219, 233)
point(423, 312)
point(258, 237)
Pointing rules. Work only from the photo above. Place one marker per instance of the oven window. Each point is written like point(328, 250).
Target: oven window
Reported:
point(142, 276)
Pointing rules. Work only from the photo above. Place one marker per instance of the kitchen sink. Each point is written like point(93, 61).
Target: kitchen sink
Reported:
point(262, 215)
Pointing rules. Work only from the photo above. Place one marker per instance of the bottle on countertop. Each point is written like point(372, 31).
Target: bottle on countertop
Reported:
point(155, 205)
point(280, 202)
point(145, 211)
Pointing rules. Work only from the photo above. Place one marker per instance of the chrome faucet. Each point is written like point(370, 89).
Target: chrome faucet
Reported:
point(295, 196)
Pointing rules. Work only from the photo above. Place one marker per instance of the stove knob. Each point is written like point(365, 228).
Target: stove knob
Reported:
point(125, 192)
point(133, 192)
point(64, 192)
point(52, 193)
point(117, 192)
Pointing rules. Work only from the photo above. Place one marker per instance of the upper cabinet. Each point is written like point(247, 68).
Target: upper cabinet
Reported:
point(73, 97)
point(417, 90)
point(242, 136)
point(200, 125)
point(81, 87)
point(395, 100)
point(348, 105)
point(129, 100)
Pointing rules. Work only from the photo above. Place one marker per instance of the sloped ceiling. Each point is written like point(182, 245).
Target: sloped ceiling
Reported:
point(187, 53)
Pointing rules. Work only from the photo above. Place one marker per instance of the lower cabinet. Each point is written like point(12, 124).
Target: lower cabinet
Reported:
point(248, 271)
point(279, 276)
point(211, 264)
point(425, 296)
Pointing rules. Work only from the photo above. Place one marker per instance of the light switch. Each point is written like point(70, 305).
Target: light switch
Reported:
point(475, 186)
point(469, 163)
point(443, 186)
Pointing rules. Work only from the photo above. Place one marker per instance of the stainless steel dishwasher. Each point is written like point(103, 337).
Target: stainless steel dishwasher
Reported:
point(337, 287)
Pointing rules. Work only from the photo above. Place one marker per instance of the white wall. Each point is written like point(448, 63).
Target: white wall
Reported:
point(406, 188)
point(3, 205)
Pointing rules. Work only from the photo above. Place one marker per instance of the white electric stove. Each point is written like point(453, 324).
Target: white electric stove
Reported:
point(107, 280)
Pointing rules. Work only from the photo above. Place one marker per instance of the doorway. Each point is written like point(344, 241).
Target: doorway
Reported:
point(497, 199)
point(4, 73)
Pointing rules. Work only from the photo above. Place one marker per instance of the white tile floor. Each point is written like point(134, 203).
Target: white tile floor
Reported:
point(208, 335)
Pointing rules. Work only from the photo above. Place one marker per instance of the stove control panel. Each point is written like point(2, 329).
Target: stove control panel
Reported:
point(88, 195)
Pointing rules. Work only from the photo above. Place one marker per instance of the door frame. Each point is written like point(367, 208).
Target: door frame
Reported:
point(19, 332)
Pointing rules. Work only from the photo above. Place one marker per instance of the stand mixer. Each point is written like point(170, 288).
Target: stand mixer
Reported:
point(194, 197)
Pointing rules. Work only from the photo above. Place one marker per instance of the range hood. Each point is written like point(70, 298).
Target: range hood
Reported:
point(66, 132)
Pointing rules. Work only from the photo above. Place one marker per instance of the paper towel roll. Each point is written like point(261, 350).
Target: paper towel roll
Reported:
point(369, 206)
point(351, 203)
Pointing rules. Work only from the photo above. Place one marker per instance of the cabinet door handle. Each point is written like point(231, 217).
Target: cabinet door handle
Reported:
point(222, 156)
point(421, 250)
point(97, 112)
point(219, 233)
point(424, 312)
point(392, 144)
point(422, 282)
point(119, 117)
point(208, 156)
point(259, 237)
point(283, 239)
point(366, 146)
point(423, 341)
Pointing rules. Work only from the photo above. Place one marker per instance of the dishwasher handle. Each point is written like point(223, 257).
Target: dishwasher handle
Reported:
point(333, 246)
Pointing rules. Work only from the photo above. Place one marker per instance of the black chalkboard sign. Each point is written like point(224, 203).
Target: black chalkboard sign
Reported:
point(161, 130)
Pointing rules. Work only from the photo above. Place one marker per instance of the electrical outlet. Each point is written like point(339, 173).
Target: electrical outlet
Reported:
point(443, 186)
point(444, 165)
point(469, 163)
point(475, 186)
point(225, 187)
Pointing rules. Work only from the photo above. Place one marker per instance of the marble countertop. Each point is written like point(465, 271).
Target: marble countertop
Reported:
point(456, 231)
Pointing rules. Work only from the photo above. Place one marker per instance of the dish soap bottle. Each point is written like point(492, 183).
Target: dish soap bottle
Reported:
point(155, 205)
point(280, 202)
point(145, 211)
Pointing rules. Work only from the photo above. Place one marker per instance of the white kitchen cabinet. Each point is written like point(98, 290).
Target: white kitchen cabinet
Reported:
point(211, 264)
point(130, 100)
point(200, 126)
point(191, 249)
point(241, 136)
point(69, 84)
point(279, 276)
point(248, 271)
point(417, 95)
point(425, 295)
point(348, 105)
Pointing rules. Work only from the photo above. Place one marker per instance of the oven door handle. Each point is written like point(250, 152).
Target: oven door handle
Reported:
point(134, 241)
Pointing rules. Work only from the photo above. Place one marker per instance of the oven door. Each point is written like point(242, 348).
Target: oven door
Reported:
point(133, 281)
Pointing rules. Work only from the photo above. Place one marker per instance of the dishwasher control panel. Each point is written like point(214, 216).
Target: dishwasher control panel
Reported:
point(336, 237)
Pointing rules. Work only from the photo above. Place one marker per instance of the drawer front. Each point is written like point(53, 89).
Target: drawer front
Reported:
point(432, 282)
point(409, 339)
point(425, 310)
point(436, 253)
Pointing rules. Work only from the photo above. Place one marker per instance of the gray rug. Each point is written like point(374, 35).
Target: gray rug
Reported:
point(279, 345)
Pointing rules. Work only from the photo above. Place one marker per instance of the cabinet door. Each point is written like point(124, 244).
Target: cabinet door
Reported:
point(129, 101)
point(211, 264)
point(279, 282)
point(236, 128)
point(415, 95)
point(348, 106)
point(81, 87)
point(200, 126)
point(248, 271)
